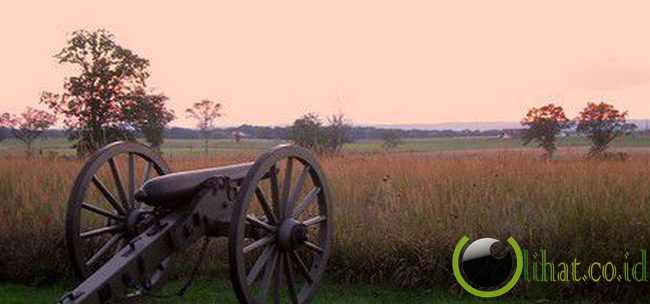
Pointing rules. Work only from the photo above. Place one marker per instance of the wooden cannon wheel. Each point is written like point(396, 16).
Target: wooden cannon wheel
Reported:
point(102, 214)
point(281, 228)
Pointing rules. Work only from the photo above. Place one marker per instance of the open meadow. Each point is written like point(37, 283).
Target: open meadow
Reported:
point(224, 147)
point(340, 152)
point(398, 215)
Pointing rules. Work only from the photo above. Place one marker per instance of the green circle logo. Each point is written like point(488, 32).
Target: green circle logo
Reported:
point(487, 268)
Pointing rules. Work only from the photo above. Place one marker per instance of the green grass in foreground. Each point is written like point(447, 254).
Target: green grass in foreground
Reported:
point(220, 292)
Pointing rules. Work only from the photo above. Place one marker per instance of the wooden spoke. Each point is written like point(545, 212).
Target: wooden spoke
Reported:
point(315, 220)
point(314, 247)
point(265, 206)
point(108, 195)
point(147, 171)
point(102, 251)
point(309, 198)
point(100, 231)
point(259, 223)
point(101, 211)
point(263, 259)
point(275, 191)
point(104, 191)
point(291, 283)
point(286, 187)
point(118, 181)
point(295, 193)
point(268, 274)
point(276, 280)
point(301, 266)
point(259, 243)
point(269, 266)
point(131, 181)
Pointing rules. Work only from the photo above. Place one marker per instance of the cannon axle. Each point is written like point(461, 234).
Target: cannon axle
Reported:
point(291, 234)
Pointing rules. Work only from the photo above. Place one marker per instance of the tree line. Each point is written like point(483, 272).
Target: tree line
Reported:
point(109, 100)
point(284, 133)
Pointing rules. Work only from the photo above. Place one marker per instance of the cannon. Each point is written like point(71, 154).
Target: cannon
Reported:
point(128, 216)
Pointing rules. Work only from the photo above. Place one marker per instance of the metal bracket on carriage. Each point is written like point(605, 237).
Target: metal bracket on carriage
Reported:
point(69, 297)
point(212, 205)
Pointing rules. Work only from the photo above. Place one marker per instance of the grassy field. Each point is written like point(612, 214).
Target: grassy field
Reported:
point(227, 146)
point(480, 143)
point(171, 147)
point(399, 215)
point(220, 292)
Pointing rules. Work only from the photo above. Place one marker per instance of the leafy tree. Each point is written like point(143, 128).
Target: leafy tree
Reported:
point(392, 139)
point(307, 132)
point(93, 101)
point(149, 115)
point(28, 126)
point(206, 113)
point(544, 124)
point(310, 132)
point(601, 123)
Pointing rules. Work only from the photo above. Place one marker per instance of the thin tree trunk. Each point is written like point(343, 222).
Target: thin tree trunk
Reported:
point(28, 143)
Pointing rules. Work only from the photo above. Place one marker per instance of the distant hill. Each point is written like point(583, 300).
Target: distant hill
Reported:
point(643, 124)
point(480, 125)
point(358, 131)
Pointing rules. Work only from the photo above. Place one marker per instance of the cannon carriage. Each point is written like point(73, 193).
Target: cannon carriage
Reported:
point(128, 214)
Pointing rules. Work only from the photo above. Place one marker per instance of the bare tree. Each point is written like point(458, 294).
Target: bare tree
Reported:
point(28, 126)
point(205, 112)
point(337, 132)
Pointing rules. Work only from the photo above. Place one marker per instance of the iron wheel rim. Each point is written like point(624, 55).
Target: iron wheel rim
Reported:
point(286, 259)
point(85, 180)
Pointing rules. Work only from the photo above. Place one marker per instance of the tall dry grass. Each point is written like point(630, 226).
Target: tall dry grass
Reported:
point(398, 215)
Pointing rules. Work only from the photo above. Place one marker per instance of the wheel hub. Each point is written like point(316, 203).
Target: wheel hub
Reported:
point(291, 234)
point(135, 221)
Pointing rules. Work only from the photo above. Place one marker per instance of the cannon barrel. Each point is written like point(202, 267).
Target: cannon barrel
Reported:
point(176, 188)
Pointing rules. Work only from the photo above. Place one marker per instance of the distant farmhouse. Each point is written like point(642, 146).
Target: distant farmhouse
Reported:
point(238, 135)
point(511, 133)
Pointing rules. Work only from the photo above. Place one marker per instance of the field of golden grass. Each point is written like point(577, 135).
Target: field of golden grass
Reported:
point(398, 216)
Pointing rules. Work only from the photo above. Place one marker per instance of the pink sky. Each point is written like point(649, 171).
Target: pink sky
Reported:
point(401, 62)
